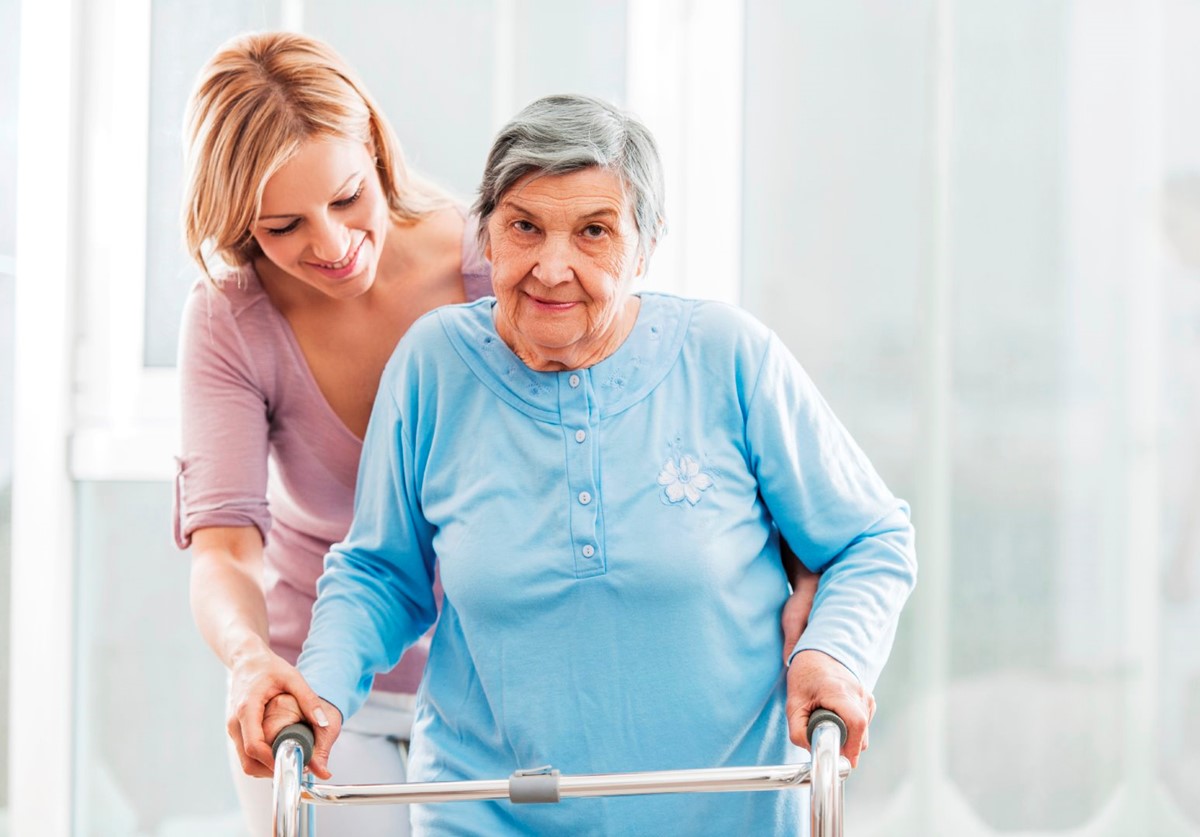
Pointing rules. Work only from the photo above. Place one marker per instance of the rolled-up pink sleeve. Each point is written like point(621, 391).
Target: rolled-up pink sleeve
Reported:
point(221, 472)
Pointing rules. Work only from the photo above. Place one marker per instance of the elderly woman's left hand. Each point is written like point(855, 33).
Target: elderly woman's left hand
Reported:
point(794, 618)
point(817, 681)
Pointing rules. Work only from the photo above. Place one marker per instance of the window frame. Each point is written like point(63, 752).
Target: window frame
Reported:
point(128, 413)
point(41, 677)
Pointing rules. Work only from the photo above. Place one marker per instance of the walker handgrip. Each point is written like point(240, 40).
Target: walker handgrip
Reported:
point(302, 734)
point(822, 715)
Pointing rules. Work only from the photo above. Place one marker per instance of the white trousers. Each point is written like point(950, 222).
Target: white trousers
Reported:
point(371, 749)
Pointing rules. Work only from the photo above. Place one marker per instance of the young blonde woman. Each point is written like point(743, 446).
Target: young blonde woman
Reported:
point(319, 249)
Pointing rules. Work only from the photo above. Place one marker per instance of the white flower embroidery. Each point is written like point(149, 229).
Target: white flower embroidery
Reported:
point(682, 478)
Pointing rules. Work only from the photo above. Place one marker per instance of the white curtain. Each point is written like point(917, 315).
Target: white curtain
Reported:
point(978, 224)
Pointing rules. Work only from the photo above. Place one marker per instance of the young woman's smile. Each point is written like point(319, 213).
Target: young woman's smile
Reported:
point(324, 217)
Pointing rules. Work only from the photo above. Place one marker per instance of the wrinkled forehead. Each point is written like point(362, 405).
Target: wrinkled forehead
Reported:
point(592, 189)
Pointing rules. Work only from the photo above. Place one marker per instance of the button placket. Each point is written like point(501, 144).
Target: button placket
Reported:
point(579, 415)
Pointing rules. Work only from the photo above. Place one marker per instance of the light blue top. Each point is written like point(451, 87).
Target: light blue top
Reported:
point(607, 542)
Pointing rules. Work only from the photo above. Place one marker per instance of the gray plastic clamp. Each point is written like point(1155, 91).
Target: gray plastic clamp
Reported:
point(537, 784)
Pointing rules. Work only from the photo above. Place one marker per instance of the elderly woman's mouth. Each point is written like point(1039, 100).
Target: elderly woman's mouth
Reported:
point(552, 304)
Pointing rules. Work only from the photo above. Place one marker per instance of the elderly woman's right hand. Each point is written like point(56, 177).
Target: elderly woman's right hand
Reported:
point(266, 694)
point(817, 681)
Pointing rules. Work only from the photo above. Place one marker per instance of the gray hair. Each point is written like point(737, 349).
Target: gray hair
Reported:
point(566, 133)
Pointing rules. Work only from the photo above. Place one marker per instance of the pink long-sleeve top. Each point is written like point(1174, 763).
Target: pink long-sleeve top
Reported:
point(262, 447)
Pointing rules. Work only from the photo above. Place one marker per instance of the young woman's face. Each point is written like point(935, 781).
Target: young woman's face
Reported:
point(324, 217)
point(564, 253)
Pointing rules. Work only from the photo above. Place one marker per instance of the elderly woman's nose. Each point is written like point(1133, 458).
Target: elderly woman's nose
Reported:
point(330, 240)
point(554, 262)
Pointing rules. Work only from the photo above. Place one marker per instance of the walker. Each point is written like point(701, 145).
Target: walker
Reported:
point(294, 790)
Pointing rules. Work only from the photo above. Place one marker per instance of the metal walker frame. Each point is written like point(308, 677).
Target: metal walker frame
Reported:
point(296, 795)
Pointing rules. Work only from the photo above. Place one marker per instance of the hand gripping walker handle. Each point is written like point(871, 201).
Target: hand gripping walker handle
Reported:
point(301, 733)
point(820, 716)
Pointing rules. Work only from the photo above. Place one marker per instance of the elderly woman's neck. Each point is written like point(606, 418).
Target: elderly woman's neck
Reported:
point(544, 350)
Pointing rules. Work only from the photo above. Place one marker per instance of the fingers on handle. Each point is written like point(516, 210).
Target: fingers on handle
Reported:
point(250, 765)
point(325, 736)
point(854, 741)
point(245, 729)
point(819, 716)
point(326, 721)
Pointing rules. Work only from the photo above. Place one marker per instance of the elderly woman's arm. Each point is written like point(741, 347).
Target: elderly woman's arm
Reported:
point(375, 597)
point(796, 609)
point(841, 520)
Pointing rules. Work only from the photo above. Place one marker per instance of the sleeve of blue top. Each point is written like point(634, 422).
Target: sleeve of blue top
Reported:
point(836, 513)
point(375, 597)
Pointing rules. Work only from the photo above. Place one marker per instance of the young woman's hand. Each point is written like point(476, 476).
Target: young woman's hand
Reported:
point(259, 684)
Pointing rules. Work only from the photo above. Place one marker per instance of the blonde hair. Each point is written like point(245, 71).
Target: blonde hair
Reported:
point(257, 101)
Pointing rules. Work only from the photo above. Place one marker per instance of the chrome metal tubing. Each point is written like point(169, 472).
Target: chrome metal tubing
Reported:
point(706, 780)
point(319, 794)
point(295, 794)
point(826, 811)
point(285, 801)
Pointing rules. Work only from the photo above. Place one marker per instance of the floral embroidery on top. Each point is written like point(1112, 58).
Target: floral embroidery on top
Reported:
point(620, 377)
point(681, 478)
point(533, 385)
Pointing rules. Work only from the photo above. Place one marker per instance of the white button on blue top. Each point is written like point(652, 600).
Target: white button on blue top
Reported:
point(589, 551)
point(580, 435)
point(573, 380)
point(584, 497)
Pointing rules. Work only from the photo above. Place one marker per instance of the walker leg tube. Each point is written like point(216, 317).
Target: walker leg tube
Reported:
point(285, 803)
point(826, 809)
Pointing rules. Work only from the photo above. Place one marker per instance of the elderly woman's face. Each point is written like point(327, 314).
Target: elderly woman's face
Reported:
point(564, 253)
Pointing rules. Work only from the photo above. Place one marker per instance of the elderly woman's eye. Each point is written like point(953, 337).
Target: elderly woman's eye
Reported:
point(594, 230)
point(523, 226)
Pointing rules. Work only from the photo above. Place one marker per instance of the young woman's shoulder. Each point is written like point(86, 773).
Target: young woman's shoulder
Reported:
point(442, 255)
point(229, 291)
point(225, 309)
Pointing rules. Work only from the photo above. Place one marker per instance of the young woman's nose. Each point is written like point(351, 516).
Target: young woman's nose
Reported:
point(553, 265)
point(330, 240)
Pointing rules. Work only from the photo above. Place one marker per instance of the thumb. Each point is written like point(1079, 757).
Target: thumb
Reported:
point(326, 723)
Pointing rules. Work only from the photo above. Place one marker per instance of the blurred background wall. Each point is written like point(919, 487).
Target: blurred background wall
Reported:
point(977, 224)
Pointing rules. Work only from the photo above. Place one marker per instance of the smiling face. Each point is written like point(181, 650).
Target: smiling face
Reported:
point(324, 217)
point(564, 253)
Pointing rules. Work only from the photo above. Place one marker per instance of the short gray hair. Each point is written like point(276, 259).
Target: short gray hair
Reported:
point(566, 133)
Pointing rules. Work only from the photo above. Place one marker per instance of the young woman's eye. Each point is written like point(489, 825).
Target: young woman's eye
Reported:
point(283, 230)
point(344, 202)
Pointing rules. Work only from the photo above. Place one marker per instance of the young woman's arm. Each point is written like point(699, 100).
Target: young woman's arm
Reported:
point(231, 612)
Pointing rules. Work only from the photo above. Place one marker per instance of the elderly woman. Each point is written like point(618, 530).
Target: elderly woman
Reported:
point(602, 477)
